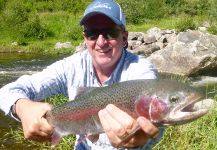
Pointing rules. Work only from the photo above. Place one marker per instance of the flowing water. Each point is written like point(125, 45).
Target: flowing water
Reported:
point(12, 66)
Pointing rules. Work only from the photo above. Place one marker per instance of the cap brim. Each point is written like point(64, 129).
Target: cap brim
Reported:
point(89, 15)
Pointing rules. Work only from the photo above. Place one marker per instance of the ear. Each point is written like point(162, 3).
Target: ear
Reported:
point(125, 36)
point(83, 34)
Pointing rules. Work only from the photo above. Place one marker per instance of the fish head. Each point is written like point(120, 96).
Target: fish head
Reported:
point(181, 108)
point(171, 105)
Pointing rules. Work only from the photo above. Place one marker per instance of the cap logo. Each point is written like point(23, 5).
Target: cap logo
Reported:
point(101, 5)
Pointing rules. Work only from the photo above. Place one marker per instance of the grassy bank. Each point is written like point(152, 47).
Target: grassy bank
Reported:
point(36, 26)
point(65, 28)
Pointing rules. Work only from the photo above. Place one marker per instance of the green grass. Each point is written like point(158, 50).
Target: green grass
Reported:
point(64, 27)
point(169, 23)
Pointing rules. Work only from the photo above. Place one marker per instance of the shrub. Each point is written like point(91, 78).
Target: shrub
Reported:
point(141, 10)
point(213, 9)
point(213, 29)
point(2, 4)
point(35, 29)
point(203, 7)
point(74, 33)
point(132, 9)
point(185, 23)
point(15, 14)
point(75, 7)
point(23, 23)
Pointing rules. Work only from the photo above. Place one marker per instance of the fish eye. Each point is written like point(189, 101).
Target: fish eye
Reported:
point(174, 98)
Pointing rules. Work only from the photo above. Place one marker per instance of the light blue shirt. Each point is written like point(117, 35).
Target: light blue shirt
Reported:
point(76, 71)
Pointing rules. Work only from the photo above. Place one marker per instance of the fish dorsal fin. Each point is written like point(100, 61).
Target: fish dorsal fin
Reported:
point(78, 91)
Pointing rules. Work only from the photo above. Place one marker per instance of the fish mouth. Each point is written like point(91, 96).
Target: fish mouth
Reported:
point(192, 109)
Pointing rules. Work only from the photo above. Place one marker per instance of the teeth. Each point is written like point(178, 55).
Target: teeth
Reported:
point(103, 51)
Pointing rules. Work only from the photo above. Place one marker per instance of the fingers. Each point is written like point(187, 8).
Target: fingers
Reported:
point(151, 130)
point(45, 127)
point(35, 126)
point(123, 130)
point(125, 120)
point(40, 136)
point(106, 121)
point(117, 124)
point(38, 130)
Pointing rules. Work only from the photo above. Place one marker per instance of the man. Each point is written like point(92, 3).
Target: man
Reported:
point(105, 62)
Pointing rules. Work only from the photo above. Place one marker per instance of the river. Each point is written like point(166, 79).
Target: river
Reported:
point(12, 66)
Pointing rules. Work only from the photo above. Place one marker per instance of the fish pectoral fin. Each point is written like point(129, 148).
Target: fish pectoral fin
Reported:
point(55, 139)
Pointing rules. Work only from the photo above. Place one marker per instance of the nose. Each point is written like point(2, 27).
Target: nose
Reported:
point(101, 41)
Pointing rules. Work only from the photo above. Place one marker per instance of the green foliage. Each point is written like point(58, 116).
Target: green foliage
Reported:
point(174, 3)
point(35, 29)
point(213, 9)
point(203, 7)
point(141, 10)
point(75, 7)
point(31, 21)
point(74, 32)
point(154, 9)
point(193, 7)
point(23, 23)
point(15, 14)
point(213, 29)
point(2, 4)
point(185, 23)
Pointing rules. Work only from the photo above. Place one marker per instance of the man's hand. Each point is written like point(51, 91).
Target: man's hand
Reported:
point(118, 125)
point(31, 114)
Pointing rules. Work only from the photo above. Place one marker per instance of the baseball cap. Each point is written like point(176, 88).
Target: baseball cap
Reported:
point(106, 7)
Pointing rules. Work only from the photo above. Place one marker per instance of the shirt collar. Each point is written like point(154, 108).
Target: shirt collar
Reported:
point(115, 76)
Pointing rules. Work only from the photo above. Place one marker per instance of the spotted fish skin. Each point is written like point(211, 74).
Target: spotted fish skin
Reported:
point(157, 100)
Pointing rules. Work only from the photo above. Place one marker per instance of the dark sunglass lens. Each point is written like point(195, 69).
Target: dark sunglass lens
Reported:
point(91, 34)
point(112, 33)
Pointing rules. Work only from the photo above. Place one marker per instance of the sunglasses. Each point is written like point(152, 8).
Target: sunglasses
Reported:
point(108, 33)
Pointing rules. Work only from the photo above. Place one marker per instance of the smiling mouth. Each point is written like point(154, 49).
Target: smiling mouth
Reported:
point(103, 51)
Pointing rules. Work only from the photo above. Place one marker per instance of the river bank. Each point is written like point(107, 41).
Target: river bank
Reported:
point(66, 28)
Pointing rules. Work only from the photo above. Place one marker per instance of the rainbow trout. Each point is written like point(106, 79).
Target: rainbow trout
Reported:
point(164, 102)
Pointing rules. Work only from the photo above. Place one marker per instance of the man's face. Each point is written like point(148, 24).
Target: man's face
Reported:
point(104, 40)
